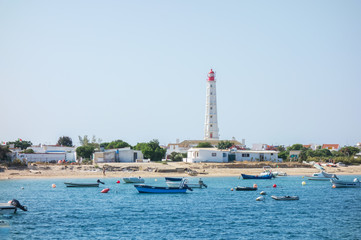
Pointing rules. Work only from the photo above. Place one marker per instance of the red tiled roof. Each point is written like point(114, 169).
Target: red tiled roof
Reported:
point(332, 146)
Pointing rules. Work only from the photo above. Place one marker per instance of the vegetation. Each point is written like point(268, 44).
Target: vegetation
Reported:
point(21, 144)
point(151, 150)
point(224, 145)
point(4, 150)
point(117, 144)
point(28, 151)
point(176, 157)
point(65, 141)
point(204, 145)
point(85, 151)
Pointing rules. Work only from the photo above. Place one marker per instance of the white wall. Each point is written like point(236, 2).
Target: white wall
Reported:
point(206, 155)
point(253, 156)
point(41, 157)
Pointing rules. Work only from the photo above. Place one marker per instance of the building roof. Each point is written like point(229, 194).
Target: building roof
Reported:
point(336, 146)
point(307, 146)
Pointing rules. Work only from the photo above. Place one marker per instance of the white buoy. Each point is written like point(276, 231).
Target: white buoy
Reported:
point(263, 193)
point(261, 198)
point(303, 183)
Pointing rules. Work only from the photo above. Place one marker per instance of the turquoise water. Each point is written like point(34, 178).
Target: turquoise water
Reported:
point(214, 213)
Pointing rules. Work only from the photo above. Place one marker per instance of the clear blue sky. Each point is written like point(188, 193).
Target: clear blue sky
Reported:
point(287, 71)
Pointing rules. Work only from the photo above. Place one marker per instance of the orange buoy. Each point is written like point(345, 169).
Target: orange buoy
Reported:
point(255, 186)
point(118, 181)
point(274, 185)
point(53, 185)
point(334, 186)
point(105, 190)
point(231, 189)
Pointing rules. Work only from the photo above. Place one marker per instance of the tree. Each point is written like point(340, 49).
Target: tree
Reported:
point(117, 144)
point(176, 157)
point(28, 151)
point(4, 150)
point(204, 145)
point(21, 144)
point(224, 145)
point(85, 141)
point(85, 151)
point(296, 147)
point(349, 151)
point(65, 141)
point(151, 150)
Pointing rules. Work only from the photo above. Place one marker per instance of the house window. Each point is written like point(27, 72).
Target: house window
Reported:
point(224, 154)
point(245, 154)
point(214, 154)
point(197, 154)
point(271, 154)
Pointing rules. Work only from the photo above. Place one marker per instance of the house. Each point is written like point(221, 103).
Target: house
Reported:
point(331, 147)
point(294, 155)
point(253, 156)
point(196, 155)
point(44, 157)
point(117, 155)
point(312, 146)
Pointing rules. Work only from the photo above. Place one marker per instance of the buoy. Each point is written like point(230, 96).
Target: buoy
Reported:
point(255, 186)
point(333, 186)
point(10, 201)
point(105, 190)
point(22, 187)
point(155, 180)
point(303, 183)
point(274, 185)
point(118, 181)
point(303, 176)
point(53, 185)
point(261, 198)
point(263, 193)
point(231, 189)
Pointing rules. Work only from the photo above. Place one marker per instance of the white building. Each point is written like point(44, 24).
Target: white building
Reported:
point(51, 148)
point(43, 157)
point(196, 155)
point(257, 156)
point(211, 130)
point(118, 155)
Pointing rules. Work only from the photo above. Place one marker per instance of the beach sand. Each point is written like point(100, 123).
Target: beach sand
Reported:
point(174, 169)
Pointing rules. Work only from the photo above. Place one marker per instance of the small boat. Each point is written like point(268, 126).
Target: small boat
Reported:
point(268, 170)
point(268, 176)
point(70, 184)
point(346, 184)
point(245, 189)
point(11, 207)
point(322, 176)
point(285, 198)
point(175, 182)
point(182, 188)
point(133, 180)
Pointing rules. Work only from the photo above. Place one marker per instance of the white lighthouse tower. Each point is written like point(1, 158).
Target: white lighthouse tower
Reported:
point(211, 124)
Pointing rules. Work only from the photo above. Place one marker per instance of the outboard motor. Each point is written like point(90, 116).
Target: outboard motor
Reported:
point(17, 204)
point(98, 181)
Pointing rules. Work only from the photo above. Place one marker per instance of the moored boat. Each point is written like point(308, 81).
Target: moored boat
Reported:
point(182, 188)
point(133, 180)
point(71, 184)
point(11, 207)
point(266, 176)
point(175, 182)
point(246, 188)
point(322, 176)
point(285, 198)
point(346, 184)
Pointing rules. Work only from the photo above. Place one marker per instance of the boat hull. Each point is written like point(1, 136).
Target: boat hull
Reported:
point(191, 185)
point(68, 184)
point(6, 208)
point(152, 189)
point(345, 184)
point(285, 198)
point(245, 189)
point(133, 180)
point(246, 176)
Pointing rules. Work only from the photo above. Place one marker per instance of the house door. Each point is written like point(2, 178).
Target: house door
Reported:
point(261, 157)
point(135, 157)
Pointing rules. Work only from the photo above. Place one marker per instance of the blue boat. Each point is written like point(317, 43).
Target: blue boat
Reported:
point(173, 179)
point(142, 188)
point(268, 176)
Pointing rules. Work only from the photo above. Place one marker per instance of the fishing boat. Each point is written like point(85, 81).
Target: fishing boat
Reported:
point(266, 176)
point(133, 180)
point(245, 189)
point(268, 170)
point(182, 188)
point(175, 182)
point(346, 184)
point(285, 198)
point(71, 184)
point(11, 207)
point(322, 176)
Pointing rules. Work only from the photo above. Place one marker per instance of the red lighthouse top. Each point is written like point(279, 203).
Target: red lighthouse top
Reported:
point(211, 75)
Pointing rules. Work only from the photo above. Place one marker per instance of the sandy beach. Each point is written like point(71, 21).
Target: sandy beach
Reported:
point(149, 170)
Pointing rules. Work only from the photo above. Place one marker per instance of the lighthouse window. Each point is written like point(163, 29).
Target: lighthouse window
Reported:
point(211, 116)
point(214, 154)
point(211, 93)
point(211, 125)
point(211, 85)
point(211, 108)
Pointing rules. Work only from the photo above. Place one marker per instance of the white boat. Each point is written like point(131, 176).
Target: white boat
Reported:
point(285, 198)
point(322, 176)
point(268, 170)
point(346, 184)
point(7, 208)
point(177, 183)
point(133, 180)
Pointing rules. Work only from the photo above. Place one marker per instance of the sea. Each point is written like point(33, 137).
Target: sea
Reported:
point(217, 212)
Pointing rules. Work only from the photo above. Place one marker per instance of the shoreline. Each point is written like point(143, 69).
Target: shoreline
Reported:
point(158, 170)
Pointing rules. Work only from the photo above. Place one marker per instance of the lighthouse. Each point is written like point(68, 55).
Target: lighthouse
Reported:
point(211, 124)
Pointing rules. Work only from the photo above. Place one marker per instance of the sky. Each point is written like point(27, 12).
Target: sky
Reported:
point(287, 71)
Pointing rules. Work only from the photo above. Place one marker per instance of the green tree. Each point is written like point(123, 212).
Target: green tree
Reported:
point(85, 151)
point(176, 157)
point(4, 150)
point(117, 144)
point(151, 150)
point(65, 141)
point(204, 145)
point(21, 144)
point(85, 141)
point(28, 151)
point(224, 145)
point(349, 151)
point(296, 147)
